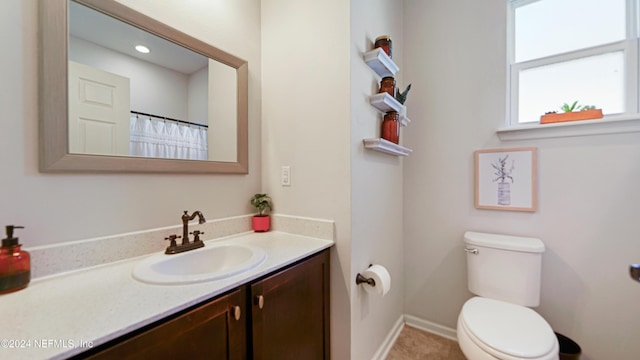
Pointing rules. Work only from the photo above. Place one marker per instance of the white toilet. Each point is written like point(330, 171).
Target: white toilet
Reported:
point(504, 271)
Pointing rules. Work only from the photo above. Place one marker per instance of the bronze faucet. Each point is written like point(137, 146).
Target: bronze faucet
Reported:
point(173, 248)
point(185, 224)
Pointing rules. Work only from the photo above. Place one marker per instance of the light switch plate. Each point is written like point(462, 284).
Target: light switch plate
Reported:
point(286, 176)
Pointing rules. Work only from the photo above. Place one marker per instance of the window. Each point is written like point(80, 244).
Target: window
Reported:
point(561, 51)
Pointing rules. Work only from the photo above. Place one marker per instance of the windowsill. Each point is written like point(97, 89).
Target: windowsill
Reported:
point(612, 124)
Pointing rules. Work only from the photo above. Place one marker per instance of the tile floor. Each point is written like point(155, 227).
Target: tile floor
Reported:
point(415, 344)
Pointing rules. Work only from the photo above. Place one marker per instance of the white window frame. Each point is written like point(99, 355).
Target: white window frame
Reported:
point(514, 130)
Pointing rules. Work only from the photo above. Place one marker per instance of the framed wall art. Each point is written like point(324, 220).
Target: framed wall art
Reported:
point(505, 179)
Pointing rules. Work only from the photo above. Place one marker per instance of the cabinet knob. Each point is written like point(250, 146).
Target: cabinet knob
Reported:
point(237, 312)
point(259, 300)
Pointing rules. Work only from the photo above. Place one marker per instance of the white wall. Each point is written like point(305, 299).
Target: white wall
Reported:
point(306, 126)
point(587, 186)
point(315, 114)
point(376, 182)
point(198, 96)
point(223, 110)
point(64, 207)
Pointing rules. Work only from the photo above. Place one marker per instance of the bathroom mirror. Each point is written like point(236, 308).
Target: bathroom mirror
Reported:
point(76, 139)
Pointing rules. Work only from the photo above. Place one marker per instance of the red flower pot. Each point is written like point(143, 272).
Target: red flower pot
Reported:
point(261, 223)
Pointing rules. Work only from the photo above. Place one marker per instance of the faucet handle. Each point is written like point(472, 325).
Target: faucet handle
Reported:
point(173, 240)
point(196, 235)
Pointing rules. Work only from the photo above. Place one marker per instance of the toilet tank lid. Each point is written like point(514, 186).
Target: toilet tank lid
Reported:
point(504, 242)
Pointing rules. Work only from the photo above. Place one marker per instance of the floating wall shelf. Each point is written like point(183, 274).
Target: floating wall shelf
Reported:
point(381, 63)
point(385, 103)
point(387, 147)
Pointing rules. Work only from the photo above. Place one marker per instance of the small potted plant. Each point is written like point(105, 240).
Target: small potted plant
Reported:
point(261, 221)
point(401, 96)
point(572, 112)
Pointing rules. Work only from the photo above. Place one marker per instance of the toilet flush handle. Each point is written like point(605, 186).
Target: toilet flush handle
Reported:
point(471, 251)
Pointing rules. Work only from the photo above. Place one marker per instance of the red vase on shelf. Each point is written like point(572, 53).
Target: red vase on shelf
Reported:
point(391, 127)
point(388, 85)
point(384, 42)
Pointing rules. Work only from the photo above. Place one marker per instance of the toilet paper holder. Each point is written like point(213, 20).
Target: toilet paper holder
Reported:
point(361, 279)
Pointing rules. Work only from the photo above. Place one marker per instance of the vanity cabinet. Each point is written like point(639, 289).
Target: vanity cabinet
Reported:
point(216, 330)
point(284, 315)
point(290, 312)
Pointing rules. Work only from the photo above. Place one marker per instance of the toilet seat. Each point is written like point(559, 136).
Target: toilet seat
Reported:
point(507, 331)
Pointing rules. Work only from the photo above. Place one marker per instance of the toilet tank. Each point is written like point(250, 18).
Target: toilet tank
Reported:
point(504, 267)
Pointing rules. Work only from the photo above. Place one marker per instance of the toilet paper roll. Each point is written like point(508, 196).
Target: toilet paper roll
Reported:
point(382, 278)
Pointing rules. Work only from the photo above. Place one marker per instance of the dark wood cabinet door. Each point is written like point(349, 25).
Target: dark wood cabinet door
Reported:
point(210, 331)
point(290, 312)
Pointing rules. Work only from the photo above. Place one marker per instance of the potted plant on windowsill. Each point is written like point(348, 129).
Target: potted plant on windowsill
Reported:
point(261, 221)
point(572, 112)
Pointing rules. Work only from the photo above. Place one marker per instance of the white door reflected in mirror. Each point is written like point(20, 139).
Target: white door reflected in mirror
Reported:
point(98, 111)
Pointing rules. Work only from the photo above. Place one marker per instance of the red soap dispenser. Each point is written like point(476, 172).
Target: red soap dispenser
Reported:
point(15, 264)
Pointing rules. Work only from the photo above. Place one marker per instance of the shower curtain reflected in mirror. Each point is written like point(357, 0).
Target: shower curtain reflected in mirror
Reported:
point(159, 138)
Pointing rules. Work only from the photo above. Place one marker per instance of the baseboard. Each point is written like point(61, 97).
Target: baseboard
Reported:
point(415, 322)
point(431, 327)
point(386, 346)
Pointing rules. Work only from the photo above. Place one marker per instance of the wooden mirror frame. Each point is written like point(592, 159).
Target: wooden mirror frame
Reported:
point(53, 93)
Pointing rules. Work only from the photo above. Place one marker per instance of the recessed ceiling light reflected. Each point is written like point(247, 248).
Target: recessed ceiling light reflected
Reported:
point(143, 49)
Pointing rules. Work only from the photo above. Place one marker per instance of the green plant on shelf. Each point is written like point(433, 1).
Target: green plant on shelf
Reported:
point(402, 96)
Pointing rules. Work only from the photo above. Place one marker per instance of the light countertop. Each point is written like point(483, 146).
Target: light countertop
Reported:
point(64, 315)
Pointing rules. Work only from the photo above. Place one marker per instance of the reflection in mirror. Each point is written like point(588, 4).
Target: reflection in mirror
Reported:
point(179, 99)
point(134, 93)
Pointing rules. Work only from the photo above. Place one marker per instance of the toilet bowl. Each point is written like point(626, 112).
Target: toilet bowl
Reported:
point(491, 329)
point(504, 272)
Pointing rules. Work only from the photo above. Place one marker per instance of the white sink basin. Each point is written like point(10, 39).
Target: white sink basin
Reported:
point(212, 262)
